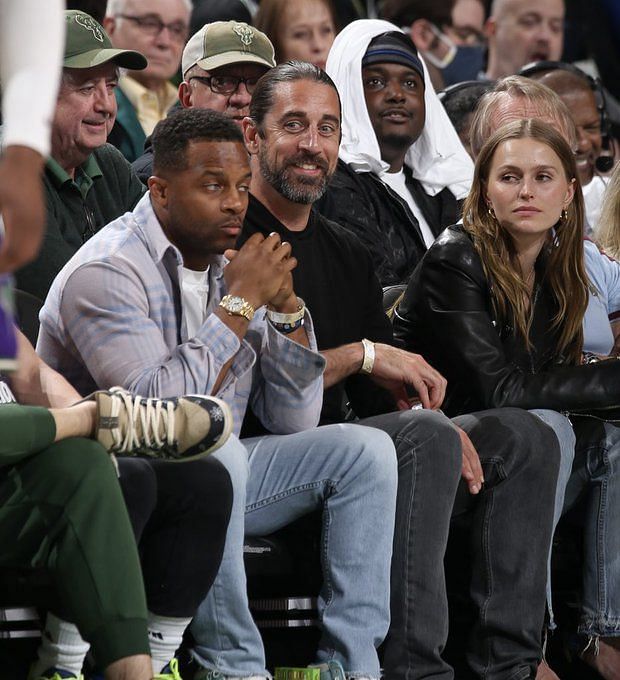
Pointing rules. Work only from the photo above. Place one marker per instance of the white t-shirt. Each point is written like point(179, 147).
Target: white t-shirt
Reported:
point(398, 183)
point(195, 297)
point(593, 195)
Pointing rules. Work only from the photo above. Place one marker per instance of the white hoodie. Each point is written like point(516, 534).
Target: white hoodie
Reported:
point(437, 158)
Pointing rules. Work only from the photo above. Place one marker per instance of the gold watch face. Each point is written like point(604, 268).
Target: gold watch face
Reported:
point(234, 304)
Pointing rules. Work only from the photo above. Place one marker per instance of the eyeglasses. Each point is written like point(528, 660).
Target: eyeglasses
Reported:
point(226, 84)
point(152, 25)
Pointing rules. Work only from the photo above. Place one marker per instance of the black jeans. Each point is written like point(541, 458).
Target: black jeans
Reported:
point(511, 530)
point(179, 513)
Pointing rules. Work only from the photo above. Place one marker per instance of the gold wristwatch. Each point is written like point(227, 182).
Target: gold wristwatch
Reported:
point(237, 306)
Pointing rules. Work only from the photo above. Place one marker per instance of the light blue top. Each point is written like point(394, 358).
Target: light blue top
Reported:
point(604, 307)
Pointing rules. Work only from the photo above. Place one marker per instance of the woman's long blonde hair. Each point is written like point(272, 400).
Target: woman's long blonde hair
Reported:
point(564, 268)
point(607, 232)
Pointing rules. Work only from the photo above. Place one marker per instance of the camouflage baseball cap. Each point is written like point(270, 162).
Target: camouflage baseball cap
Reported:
point(227, 42)
point(88, 45)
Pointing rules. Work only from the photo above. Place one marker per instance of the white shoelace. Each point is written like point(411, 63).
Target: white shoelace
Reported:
point(150, 414)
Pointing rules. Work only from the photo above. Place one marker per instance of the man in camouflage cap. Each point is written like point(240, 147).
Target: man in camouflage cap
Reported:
point(221, 65)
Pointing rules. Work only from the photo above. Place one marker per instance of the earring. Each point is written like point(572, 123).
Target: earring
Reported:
point(491, 212)
point(564, 215)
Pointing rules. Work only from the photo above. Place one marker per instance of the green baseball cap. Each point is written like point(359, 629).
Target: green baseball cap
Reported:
point(88, 45)
point(227, 42)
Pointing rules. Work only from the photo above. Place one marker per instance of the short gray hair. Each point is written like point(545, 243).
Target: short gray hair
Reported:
point(118, 7)
point(534, 93)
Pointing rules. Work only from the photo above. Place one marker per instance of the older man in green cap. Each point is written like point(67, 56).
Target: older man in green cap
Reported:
point(88, 183)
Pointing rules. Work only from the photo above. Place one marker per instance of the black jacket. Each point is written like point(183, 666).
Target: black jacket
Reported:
point(381, 219)
point(446, 315)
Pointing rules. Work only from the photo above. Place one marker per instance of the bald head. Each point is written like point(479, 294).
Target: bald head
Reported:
point(521, 31)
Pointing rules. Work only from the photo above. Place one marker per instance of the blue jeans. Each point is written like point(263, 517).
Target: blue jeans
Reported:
point(596, 475)
point(591, 467)
point(350, 472)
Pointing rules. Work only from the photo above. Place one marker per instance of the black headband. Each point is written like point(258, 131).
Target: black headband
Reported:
point(393, 48)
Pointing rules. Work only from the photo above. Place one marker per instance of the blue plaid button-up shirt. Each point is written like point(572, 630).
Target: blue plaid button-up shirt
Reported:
point(114, 317)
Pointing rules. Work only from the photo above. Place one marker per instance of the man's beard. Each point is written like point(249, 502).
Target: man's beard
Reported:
point(305, 190)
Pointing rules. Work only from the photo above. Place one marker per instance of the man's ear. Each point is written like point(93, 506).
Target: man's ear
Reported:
point(422, 34)
point(490, 27)
point(250, 135)
point(185, 95)
point(109, 24)
point(158, 189)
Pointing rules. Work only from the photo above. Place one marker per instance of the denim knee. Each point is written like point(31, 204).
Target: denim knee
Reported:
point(417, 428)
point(533, 441)
point(564, 433)
point(373, 450)
point(234, 457)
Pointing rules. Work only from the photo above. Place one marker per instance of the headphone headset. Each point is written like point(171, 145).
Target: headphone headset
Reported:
point(451, 90)
point(605, 162)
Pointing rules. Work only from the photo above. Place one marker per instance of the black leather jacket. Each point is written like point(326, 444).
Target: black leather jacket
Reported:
point(446, 316)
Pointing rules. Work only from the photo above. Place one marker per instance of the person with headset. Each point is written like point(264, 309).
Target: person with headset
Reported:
point(585, 99)
point(460, 101)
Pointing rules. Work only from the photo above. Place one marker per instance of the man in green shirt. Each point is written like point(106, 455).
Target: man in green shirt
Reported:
point(88, 183)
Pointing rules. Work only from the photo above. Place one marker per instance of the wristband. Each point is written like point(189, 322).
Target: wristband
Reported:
point(278, 318)
point(369, 357)
point(287, 328)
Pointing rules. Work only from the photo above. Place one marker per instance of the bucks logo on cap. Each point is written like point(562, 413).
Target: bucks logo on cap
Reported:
point(221, 43)
point(90, 24)
point(245, 33)
point(87, 45)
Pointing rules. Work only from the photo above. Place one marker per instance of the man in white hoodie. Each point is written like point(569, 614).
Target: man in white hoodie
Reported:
point(402, 167)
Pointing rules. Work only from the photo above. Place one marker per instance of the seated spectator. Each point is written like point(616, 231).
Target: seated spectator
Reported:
point(158, 29)
point(522, 31)
point(87, 182)
point(298, 29)
point(173, 315)
point(63, 512)
point(292, 136)
point(585, 101)
point(514, 98)
point(460, 102)
point(221, 65)
point(499, 306)
point(402, 168)
point(447, 33)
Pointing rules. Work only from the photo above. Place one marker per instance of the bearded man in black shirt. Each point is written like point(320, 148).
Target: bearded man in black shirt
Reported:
point(503, 456)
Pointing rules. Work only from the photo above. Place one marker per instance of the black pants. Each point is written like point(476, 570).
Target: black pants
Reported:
point(511, 528)
point(179, 513)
